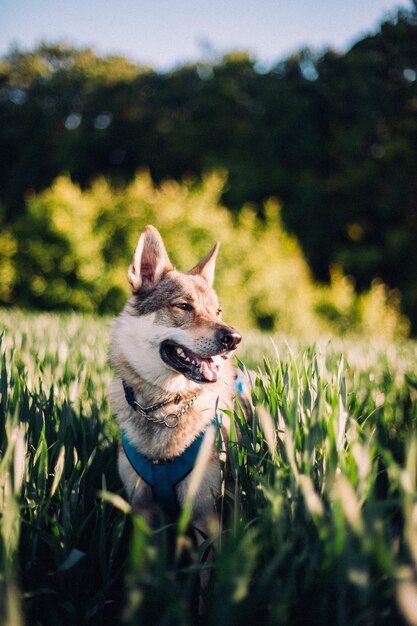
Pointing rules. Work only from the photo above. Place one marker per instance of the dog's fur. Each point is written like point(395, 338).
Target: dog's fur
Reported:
point(171, 308)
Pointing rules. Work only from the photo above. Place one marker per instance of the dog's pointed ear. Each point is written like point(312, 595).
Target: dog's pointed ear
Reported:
point(150, 261)
point(207, 265)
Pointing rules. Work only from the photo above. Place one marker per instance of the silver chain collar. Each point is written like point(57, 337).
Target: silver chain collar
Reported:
point(171, 420)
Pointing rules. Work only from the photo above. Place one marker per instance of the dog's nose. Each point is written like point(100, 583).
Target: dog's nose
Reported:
point(229, 339)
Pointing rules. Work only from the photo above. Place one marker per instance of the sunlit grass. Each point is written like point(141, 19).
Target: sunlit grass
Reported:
point(319, 528)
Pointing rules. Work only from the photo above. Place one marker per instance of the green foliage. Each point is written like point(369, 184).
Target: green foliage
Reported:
point(8, 249)
point(57, 451)
point(333, 136)
point(374, 313)
point(320, 527)
point(27, 69)
point(72, 249)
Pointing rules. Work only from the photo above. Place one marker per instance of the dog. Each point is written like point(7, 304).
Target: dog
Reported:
point(171, 352)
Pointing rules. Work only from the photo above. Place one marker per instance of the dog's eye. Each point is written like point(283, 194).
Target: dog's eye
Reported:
point(184, 306)
point(219, 310)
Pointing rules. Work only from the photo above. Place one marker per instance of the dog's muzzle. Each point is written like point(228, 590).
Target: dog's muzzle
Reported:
point(200, 369)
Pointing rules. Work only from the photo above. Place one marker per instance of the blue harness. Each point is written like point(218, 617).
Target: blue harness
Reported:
point(163, 476)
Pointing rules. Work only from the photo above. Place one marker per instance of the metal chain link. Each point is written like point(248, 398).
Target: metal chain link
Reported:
point(172, 419)
point(145, 410)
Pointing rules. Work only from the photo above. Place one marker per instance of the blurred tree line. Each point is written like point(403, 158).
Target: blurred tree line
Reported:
point(333, 137)
point(71, 249)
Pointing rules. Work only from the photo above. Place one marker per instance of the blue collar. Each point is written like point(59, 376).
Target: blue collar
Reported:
point(164, 475)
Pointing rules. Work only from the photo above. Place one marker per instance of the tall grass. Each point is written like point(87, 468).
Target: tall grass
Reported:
point(58, 447)
point(320, 526)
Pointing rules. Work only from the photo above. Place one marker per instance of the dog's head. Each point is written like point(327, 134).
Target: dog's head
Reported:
point(173, 327)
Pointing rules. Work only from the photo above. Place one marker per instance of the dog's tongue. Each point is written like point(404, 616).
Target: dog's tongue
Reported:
point(209, 369)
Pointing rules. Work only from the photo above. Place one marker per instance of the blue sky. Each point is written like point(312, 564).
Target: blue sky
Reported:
point(166, 33)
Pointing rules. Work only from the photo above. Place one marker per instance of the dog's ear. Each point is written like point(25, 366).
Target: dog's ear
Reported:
point(206, 266)
point(150, 261)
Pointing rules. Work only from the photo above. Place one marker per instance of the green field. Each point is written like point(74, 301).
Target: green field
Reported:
point(320, 528)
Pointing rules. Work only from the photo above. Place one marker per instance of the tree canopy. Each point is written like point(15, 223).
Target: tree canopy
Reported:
point(331, 136)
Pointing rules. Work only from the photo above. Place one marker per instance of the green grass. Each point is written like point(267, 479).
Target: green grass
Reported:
point(321, 527)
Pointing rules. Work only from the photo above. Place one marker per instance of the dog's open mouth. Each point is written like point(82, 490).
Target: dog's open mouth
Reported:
point(197, 368)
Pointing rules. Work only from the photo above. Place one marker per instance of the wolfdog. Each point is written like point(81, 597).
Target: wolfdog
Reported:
point(171, 352)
